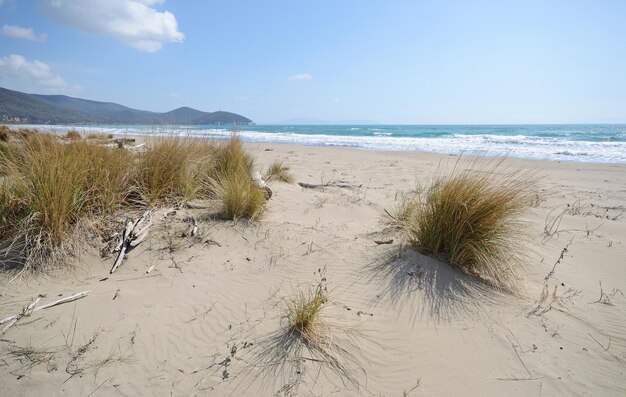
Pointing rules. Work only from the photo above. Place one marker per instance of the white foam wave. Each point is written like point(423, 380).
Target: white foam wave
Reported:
point(530, 147)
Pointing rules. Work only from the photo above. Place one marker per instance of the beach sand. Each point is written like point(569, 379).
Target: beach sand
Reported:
point(209, 319)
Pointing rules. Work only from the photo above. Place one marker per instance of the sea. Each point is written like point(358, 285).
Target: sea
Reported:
point(598, 143)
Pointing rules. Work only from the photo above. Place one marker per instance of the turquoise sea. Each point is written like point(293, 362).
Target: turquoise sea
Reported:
point(603, 143)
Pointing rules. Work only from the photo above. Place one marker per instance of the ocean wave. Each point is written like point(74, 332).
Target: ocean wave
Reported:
point(531, 147)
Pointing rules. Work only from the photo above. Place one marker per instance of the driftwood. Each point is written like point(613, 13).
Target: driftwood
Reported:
point(32, 307)
point(135, 232)
point(192, 230)
point(322, 186)
point(121, 141)
point(195, 206)
point(256, 177)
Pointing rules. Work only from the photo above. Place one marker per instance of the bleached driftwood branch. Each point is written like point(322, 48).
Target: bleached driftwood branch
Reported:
point(32, 307)
point(135, 232)
point(256, 177)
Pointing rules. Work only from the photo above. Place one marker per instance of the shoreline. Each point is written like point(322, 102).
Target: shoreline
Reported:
point(528, 146)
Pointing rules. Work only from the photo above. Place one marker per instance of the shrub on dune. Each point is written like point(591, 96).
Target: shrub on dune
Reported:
point(471, 219)
point(278, 172)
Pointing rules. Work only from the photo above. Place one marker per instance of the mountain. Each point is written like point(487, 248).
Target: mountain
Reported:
point(17, 106)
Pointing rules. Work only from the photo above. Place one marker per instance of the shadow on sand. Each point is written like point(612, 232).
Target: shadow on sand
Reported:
point(421, 286)
point(284, 361)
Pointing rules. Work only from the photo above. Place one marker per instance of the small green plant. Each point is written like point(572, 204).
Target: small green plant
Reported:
point(278, 172)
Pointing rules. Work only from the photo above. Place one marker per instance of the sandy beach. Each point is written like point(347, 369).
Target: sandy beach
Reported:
point(208, 319)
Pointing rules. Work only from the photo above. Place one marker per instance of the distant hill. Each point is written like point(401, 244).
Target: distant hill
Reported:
point(17, 106)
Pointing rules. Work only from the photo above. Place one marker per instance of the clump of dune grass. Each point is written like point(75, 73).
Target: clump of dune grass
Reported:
point(231, 157)
point(240, 196)
point(303, 313)
point(101, 136)
point(42, 197)
point(5, 132)
point(228, 177)
point(277, 171)
point(403, 212)
point(109, 180)
point(168, 171)
point(73, 135)
point(49, 187)
point(471, 219)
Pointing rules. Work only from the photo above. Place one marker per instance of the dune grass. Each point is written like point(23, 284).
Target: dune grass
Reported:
point(277, 171)
point(43, 196)
point(168, 172)
point(229, 179)
point(50, 186)
point(101, 136)
point(471, 219)
point(5, 132)
point(240, 197)
point(303, 313)
point(231, 157)
point(73, 135)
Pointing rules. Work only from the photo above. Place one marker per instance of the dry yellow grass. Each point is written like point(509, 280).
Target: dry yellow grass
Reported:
point(277, 171)
point(50, 185)
point(169, 170)
point(73, 135)
point(240, 196)
point(303, 313)
point(4, 133)
point(471, 219)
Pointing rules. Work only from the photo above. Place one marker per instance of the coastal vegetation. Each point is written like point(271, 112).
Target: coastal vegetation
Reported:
point(471, 219)
point(277, 171)
point(53, 188)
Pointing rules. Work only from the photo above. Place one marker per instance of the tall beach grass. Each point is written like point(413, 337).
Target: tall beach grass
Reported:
point(49, 186)
point(471, 219)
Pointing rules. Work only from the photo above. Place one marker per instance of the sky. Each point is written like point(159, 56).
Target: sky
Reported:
point(347, 61)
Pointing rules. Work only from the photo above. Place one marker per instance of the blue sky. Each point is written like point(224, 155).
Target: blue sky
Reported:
point(423, 62)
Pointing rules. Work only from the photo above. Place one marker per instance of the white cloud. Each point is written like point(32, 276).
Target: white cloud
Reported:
point(19, 72)
point(133, 22)
point(300, 77)
point(18, 32)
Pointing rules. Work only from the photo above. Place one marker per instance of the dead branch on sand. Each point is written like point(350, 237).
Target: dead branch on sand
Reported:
point(135, 232)
point(32, 307)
